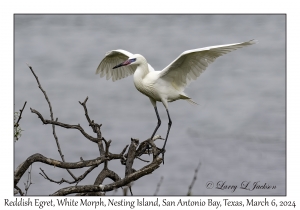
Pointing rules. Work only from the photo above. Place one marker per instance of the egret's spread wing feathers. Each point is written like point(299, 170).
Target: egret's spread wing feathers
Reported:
point(190, 64)
point(112, 59)
point(150, 67)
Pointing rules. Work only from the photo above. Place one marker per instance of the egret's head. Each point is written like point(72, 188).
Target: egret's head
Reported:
point(134, 59)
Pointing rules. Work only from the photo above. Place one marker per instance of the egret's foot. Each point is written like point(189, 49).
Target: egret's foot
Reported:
point(146, 148)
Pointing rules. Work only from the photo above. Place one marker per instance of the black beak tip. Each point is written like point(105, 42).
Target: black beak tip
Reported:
point(117, 66)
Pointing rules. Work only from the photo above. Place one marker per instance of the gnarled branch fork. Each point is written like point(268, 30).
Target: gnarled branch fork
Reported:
point(134, 152)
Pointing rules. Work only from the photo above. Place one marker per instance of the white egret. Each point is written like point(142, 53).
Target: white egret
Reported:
point(168, 84)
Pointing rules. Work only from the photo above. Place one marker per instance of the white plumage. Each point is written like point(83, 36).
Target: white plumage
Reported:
point(168, 84)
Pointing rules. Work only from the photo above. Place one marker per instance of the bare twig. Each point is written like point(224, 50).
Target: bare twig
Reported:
point(78, 127)
point(96, 127)
point(106, 153)
point(20, 116)
point(194, 179)
point(85, 109)
point(44, 92)
point(78, 179)
point(124, 150)
point(158, 185)
point(147, 161)
point(28, 183)
point(17, 128)
point(52, 118)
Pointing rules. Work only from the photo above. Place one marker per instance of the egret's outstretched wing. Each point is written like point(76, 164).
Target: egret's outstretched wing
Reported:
point(191, 63)
point(112, 59)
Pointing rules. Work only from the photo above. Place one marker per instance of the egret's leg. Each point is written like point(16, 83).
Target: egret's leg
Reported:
point(158, 122)
point(157, 126)
point(169, 126)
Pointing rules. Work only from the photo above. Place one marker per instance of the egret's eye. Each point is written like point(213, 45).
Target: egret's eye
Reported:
point(132, 60)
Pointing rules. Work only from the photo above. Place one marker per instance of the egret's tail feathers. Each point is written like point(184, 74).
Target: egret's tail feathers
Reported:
point(188, 99)
point(191, 101)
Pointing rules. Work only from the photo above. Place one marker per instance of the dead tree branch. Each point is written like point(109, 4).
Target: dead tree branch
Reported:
point(28, 183)
point(20, 115)
point(194, 179)
point(52, 118)
point(78, 179)
point(17, 128)
point(18, 190)
point(158, 186)
point(65, 165)
point(131, 156)
point(64, 125)
point(96, 127)
point(130, 159)
point(104, 158)
point(105, 188)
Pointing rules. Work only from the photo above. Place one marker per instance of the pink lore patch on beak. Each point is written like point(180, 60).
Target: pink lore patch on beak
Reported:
point(126, 62)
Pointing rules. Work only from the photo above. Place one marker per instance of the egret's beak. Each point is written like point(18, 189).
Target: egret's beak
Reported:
point(125, 63)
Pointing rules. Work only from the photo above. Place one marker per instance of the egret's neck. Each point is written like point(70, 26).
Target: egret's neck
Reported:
point(140, 73)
